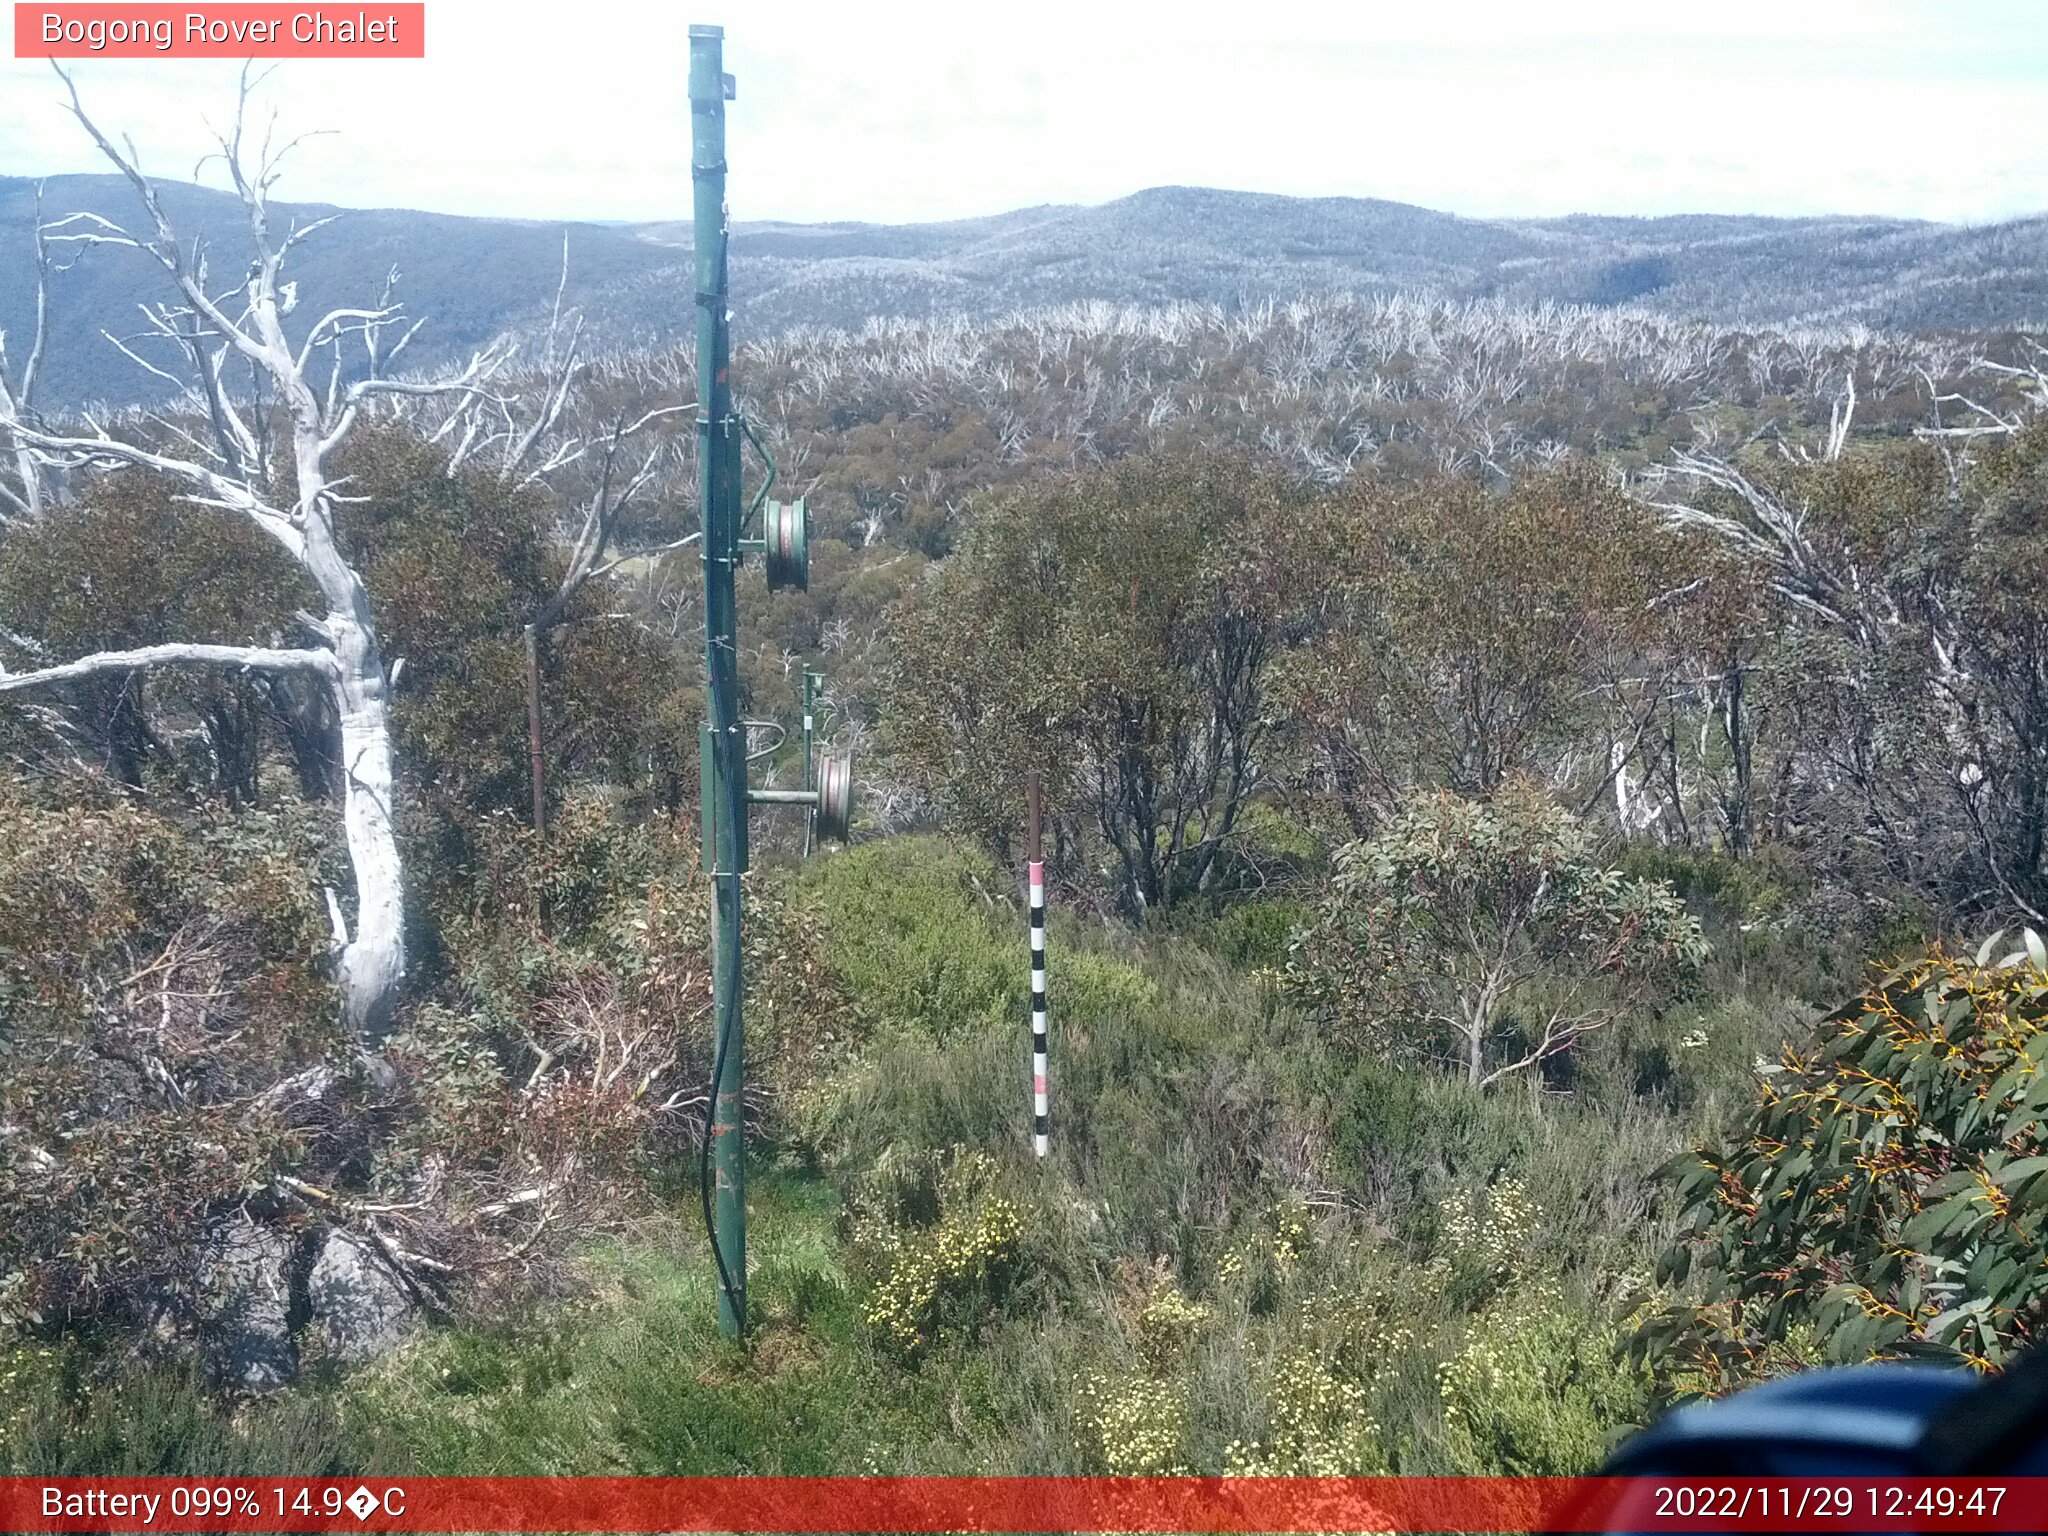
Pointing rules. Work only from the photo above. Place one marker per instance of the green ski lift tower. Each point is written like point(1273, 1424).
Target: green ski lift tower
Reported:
point(783, 543)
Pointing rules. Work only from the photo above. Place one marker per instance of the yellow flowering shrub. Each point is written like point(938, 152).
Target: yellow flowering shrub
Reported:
point(1318, 1424)
point(936, 1236)
point(1484, 1239)
point(1166, 1324)
point(1359, 1330)
point(1271, 1254)
point(1136, 1426)
point(1290, 1234)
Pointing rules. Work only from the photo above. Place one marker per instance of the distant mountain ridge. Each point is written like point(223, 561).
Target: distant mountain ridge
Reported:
point(478, 278)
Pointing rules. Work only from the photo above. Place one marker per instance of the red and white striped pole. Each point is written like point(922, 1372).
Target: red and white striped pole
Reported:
point(1041, 1127)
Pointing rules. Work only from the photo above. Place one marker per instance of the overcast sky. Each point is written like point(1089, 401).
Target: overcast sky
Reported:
point(879, 110)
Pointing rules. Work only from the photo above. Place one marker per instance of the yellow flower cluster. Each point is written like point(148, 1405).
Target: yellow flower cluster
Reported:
point(1292, 1235)
point(1357, 1326)
point(1137, 1425)
point(1168, 1321)
point(976, 1236)
point(1318, 1424)
point(1491, 1234)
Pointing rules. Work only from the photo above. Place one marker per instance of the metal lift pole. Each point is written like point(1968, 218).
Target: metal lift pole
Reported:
point(724, 758)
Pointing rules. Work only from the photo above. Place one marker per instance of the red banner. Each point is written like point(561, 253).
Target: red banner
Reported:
point(992, 1504)
point(235, 31)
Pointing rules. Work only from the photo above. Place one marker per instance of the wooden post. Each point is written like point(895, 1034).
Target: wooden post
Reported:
point(536, 758)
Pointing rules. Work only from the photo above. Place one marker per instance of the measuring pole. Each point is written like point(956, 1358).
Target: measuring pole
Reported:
point(724, 787)
point(1041, 1128)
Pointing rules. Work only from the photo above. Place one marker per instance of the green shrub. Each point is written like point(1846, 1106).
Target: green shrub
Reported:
point(1269, 831)
point(1097, 988)
point(155, 979)
point(66, 1411)
point(1484, 934)
point(1254, 935)
point(1537, 1390)
point(910, 943)
point(1762, 888)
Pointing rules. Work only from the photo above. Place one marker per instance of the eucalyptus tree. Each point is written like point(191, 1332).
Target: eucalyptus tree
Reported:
point(1469, 635)
point(1117, 633)
point(1485, 934)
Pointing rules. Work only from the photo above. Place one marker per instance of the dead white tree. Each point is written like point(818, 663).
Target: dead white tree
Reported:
point(1767, 527)
point(23, 500)
point(1822, 577)
point(266, 456)
point(2029, 380)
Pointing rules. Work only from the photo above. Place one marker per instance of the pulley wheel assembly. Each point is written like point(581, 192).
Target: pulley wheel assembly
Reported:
point(835, 797)
point(785, 539)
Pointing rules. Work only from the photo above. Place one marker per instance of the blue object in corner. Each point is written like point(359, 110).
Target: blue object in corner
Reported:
point(1853, 1420)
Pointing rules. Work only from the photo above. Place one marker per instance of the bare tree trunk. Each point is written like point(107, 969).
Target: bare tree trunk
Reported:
point(373, 958)
point(592, 545)
point(1739, 741)
point(26, 498)
point(537, 756)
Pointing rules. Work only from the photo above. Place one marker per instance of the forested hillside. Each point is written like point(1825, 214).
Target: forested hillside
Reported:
point(1192, 243)
point(477, 278)
point(1546, 820)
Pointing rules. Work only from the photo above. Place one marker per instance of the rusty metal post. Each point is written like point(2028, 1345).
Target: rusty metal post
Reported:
point(536, 760)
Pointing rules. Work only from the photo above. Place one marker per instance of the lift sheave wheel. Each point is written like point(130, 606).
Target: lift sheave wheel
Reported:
point(835, 797)
point(785, 535)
